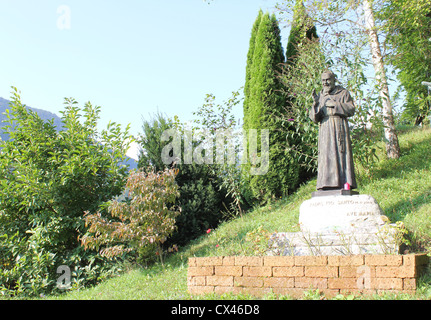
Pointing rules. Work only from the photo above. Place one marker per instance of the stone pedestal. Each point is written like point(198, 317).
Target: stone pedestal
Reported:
point(338, 225)
point(341, 214)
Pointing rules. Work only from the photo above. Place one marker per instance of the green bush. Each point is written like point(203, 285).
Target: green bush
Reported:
point(48, 180)
point(201, 201)
point(202, 196)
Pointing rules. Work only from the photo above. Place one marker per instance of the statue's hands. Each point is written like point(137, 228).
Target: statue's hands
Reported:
point(315, 96)
point(330, 103)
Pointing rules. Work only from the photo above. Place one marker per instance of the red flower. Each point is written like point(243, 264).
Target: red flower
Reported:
point(217, 245)
point(209, 230)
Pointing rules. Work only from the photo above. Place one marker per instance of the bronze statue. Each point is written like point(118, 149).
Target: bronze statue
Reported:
point(331, 108)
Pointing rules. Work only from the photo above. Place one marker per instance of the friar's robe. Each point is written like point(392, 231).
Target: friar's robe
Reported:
point(335, 160)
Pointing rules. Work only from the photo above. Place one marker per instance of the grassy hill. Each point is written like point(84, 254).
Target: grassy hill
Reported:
point(401, 187)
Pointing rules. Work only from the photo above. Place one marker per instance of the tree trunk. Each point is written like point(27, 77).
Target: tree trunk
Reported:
point(392, 145)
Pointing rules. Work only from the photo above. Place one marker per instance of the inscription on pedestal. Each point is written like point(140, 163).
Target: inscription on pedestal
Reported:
point(339, 213)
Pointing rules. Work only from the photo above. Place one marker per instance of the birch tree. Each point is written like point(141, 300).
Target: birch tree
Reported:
point(392, 145)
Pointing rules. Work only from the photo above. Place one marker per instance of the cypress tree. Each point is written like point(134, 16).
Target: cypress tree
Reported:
point(249, 65)
point(303, 33)
point(264, 103)
point(302, 28)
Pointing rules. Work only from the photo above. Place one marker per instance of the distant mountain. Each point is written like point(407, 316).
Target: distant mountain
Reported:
point(45, 115)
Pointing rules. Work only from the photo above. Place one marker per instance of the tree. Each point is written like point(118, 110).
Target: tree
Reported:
point(392, 144)
point(302, 28)
point(264, 103)
point(407, 25)
point(150, 142)
point(48, 180)
point(344, 28)
point(304, 62)
point(249, 65)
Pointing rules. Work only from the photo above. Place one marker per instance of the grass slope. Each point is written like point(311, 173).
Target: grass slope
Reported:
point(401, 187)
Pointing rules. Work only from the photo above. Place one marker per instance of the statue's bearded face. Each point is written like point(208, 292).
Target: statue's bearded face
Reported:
point(328, 82)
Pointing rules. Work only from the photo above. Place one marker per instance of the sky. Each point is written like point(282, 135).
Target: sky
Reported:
point(133, 58)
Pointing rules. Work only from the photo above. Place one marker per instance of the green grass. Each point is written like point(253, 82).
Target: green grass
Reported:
point(401, 187)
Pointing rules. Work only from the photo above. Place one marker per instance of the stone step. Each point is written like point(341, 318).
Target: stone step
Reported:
point(334, 243)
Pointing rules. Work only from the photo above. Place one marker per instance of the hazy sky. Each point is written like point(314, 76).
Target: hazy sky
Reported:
point(132, 57)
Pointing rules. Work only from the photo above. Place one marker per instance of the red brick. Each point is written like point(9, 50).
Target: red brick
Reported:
point(386, 283)
point(409, 260)
point(330, 293)
point(315, 283)
point(363, 282)
point(221, 290)
point(200, 271)
point(279, 261)
point(192, 262)
point(383, 260)
point(348, 272)
point(228, 261)
point(228, 271)
point(257, 271)
point(343, 283)
point(364, 292)
point(356, 271)
point(352, 260)
point(396, 272)
point(409, 284)
point(219, 281)
point(249, 261)
point(288, 271)
point(394, 260)
point(209, 261)
point(415, 259)
point(311, 260)
point(279, 282)
point(196, 281)
point(324, 271)
point(248, 282)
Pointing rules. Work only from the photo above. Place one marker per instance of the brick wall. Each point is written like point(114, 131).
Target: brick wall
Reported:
point(292, 275)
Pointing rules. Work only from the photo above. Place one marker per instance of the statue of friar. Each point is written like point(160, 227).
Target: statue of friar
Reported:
point(331, 108)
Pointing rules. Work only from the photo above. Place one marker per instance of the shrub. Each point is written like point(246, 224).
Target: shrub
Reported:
point(202, 197)
point(144, 218)
point(48, 180)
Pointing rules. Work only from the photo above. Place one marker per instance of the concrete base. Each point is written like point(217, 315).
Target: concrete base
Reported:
point(316, 244)
point(338, 225)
